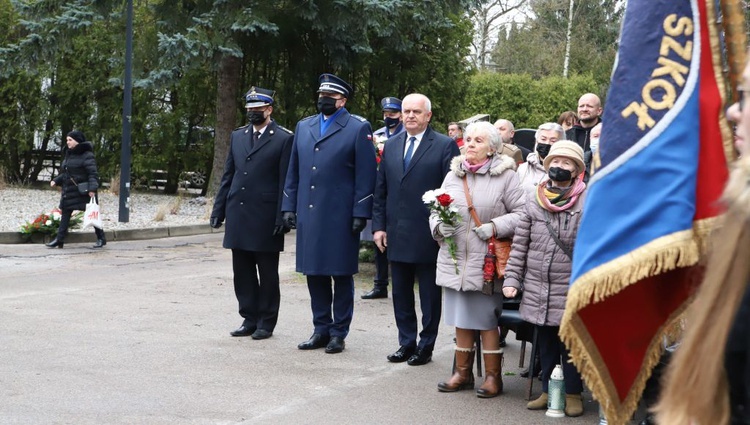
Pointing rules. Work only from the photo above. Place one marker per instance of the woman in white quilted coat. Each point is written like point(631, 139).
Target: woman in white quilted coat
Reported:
point(498, 200)
point(540, 263)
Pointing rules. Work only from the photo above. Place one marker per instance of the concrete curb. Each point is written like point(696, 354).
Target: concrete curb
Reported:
point(117, 235)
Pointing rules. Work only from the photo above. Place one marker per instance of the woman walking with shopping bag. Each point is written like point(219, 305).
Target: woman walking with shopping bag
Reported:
point(79, 182)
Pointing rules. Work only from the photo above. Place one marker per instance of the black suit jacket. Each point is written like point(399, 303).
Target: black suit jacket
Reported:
point(249, 196)
point(398, 207)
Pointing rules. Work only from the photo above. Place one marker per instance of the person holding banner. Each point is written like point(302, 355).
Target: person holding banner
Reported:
point(541, 262)
point(708, 379)
point(79, 181)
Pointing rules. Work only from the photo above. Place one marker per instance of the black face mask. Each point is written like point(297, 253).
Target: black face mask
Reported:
point(327, 105)
point(391, 122)
point(256, 117)
point(542, 149)
point(560, 174)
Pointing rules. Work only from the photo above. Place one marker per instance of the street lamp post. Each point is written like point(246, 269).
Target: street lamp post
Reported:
point(124, 215)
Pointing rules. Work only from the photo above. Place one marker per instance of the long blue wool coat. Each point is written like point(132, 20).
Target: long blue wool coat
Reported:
point(330, 181)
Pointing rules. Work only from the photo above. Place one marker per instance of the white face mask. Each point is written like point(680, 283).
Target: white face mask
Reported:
point(594, 143)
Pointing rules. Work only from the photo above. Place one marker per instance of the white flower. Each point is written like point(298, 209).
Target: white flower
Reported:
point(48, 222)
point(380, 139)
point(429, 197)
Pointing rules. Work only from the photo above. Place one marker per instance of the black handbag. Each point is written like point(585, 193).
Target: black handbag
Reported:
point(83, 188)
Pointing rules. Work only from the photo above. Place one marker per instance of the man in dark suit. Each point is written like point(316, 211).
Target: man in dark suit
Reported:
point(328, 197)
point(413, 163)
point(249, 198)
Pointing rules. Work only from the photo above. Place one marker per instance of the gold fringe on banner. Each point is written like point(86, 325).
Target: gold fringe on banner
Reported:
point(596, 375)
point(658, 256)
point(678, 250)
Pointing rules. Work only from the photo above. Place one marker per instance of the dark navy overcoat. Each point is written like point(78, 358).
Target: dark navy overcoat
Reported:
point(330, 181)
point(398, 207)
point(249, 195)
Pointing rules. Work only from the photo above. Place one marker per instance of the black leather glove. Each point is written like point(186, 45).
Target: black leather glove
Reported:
point(215, 222)
point(358, 224)
point(280, 230)
point(289, 219)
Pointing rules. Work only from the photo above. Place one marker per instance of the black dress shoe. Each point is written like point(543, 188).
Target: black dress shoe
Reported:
point(56, 243)
point(421, 357)
point(402, 354)
point(261, 334)
point(100, 243)
point(335, 345)
point(376, 292)
point(315, 341)
point(243, 331)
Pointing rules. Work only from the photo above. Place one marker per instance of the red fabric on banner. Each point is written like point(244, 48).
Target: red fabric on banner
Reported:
point(711, 179)
point(641, 309)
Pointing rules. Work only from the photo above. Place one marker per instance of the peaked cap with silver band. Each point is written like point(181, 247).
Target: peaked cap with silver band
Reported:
point(333, 84)
point(391, 104)
point(257, 97)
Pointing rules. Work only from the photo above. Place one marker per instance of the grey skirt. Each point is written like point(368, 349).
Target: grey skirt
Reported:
point(471, 310)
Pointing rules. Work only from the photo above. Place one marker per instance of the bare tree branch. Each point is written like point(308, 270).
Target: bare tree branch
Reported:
point(489, 17)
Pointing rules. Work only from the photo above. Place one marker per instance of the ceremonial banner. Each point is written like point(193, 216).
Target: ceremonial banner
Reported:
point(661, 167)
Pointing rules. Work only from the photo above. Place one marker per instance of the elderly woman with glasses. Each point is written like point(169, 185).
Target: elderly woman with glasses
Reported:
point(488, 179)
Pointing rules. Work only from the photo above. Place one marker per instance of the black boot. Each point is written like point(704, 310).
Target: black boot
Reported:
point(56, 243)
point(100, 240)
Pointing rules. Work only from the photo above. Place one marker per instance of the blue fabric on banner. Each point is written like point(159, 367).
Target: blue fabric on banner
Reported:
point(650, 196)
point(644, 188)
point(637, 59)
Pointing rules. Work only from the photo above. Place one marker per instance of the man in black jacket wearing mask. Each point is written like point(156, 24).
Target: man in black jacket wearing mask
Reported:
point(249, 198)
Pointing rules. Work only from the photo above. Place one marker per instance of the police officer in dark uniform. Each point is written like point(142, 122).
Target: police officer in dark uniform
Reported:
point(393, 126)
point(392, 118)
point(249, 198)
point(328, 197)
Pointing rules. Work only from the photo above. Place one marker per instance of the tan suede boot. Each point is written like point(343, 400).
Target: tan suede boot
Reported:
point(463, 377)
point(573, 405)
point(493, 380)
point(538, 404)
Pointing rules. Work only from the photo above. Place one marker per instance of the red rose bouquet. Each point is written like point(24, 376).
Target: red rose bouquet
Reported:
point(440, 203)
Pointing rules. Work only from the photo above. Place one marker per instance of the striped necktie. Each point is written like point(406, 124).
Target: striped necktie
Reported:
point(409, 151)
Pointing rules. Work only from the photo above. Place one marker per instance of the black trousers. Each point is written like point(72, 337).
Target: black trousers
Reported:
point(430, 300)
point(551, 351)
point(62, 231)
point(381, 269)
point(256, 285)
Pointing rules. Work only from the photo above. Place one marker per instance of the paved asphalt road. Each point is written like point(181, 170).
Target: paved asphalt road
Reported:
point(138, 333)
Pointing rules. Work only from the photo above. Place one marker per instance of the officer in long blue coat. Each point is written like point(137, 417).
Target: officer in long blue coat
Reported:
point(393, 126)
point(328, 197)
point(249, 199)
